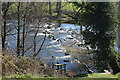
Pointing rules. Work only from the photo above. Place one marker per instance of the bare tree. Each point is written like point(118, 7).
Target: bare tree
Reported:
point(37, 8)
point(40, 48)
point(18, 30)
point(58, 8)
point(25, 16)
point(5, 8)
point(50, 11)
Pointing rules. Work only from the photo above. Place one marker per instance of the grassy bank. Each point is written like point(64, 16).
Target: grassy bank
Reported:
point(94, 75)
point(28, 68)
point(22, 67)
point(97, 75)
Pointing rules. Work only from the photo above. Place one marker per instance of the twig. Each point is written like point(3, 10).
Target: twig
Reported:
point(11, 63)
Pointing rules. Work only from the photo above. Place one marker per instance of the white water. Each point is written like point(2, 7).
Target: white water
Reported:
point(63, 35)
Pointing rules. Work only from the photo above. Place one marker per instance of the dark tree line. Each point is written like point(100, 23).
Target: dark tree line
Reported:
point(100, 32)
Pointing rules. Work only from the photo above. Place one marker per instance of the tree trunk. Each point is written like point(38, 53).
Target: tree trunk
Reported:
point(81, 29)
point(18, 31)
point(58, 8)
point(118, 27)
point(5, 7)
point(50, 12)
point(40, 46)
point(4, 32)
point(23, 40)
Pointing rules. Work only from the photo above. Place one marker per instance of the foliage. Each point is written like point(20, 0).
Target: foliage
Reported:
point(99, 19)
point(69, 7)
point(100, 27)
point(95, 76)
point(24, 66)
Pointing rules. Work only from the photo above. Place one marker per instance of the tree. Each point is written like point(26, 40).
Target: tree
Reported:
point(118, 26)
point(79, 12)
point(58, 8)
point(38, 9)
point(25, 18)
point(18, 30)
point(99, 17)
point(50, 11)
point(5, 8)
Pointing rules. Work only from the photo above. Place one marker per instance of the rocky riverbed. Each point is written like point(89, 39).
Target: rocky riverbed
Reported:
point(58, 44)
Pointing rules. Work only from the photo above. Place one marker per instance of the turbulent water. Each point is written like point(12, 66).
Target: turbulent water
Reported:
point(53, 50)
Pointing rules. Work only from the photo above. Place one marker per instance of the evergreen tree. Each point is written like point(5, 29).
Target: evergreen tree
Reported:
point(100, 33)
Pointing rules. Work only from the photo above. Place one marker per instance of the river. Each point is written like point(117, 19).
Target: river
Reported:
point(63, 36)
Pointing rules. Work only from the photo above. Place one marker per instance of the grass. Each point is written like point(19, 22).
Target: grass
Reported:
point(97, 75)
point(94, 75)
point(28, 75)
